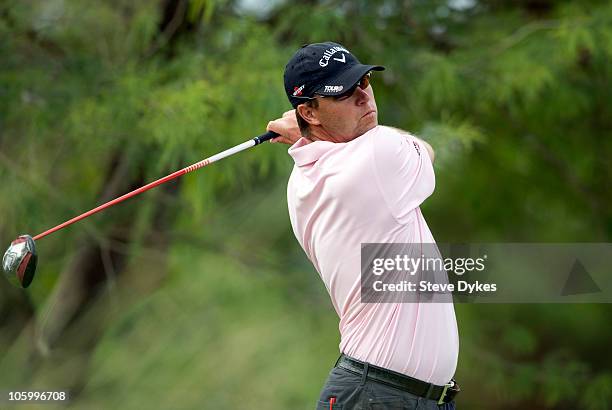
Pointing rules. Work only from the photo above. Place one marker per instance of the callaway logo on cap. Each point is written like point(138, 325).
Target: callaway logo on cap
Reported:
point(323, 69)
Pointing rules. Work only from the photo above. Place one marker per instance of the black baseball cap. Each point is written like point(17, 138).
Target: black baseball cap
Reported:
point(323, 69)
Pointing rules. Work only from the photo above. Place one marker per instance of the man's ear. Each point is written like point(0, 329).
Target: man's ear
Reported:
point(309, 114)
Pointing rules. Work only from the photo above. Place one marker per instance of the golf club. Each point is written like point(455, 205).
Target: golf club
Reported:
point(20, 259)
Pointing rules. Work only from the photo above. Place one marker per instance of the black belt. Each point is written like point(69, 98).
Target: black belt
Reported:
point(443, 394)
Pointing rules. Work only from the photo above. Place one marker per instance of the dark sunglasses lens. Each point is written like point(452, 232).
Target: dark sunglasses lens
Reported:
point(345, 94)
point(363, 84)
point(365, 81)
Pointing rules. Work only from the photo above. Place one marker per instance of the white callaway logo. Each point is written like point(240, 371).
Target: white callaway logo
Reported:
point(324, 61)
point(333, 88)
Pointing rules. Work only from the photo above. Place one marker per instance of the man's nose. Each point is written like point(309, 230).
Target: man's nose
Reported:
point(362, 96)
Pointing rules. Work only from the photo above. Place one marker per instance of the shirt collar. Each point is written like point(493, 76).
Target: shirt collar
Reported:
point(305, 152)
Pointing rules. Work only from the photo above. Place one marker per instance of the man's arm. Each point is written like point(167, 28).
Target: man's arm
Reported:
point(430, 150)
point(287, 127)
point(289, 132)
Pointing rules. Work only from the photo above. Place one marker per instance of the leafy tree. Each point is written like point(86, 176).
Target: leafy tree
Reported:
point(139, 307)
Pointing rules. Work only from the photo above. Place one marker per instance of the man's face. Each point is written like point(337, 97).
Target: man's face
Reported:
point(346, 118)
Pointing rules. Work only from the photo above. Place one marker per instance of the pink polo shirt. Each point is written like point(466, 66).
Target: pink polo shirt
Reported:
point(369, 190)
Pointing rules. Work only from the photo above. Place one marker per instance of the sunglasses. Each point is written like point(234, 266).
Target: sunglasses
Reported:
point(363, 83)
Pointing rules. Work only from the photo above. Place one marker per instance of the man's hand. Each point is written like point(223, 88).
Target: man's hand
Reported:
point(287, 127)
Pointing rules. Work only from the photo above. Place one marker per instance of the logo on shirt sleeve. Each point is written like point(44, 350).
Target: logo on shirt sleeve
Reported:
point(416, 146)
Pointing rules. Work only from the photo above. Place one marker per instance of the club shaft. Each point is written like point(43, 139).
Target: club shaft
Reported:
point(176, 174)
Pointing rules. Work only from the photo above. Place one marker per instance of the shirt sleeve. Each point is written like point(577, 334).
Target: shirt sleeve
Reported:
point(404, 172)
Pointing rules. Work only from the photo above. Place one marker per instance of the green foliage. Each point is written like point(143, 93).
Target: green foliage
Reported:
point(453, 137)
point(516, 102)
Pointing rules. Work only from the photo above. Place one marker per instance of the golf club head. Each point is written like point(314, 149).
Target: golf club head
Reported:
point(19, 261)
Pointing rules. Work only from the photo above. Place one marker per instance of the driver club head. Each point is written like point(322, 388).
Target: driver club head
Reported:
point(19, 261)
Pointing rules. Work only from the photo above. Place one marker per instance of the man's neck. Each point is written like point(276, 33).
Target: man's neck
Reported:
point(318, 133)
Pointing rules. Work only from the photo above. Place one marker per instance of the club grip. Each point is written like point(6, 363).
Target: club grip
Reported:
point(265, 137)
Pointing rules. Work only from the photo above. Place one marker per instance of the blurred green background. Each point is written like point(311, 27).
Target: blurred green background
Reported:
point(196, 294)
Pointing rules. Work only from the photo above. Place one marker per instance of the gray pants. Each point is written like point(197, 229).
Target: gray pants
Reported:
point(353, 392)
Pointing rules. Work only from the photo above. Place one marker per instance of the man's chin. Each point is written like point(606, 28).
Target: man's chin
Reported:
point(369, 125)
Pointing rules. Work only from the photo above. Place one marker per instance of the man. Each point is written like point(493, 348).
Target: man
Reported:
point(357, 182)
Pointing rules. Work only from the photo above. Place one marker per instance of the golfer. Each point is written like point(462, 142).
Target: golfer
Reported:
point(355, 182)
